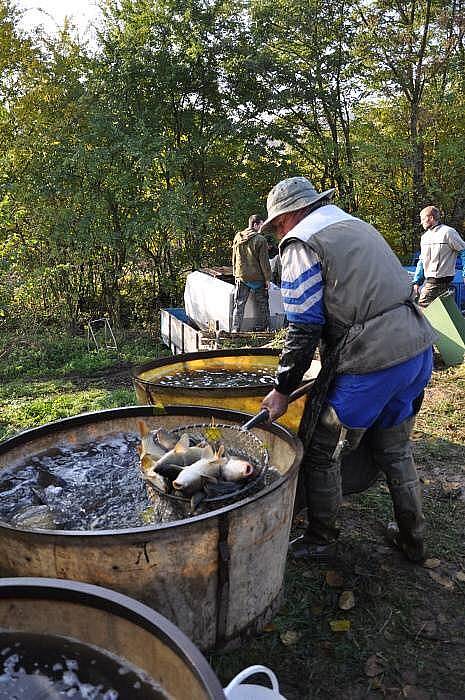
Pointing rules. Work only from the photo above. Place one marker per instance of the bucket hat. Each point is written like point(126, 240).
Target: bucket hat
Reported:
point(291, 194)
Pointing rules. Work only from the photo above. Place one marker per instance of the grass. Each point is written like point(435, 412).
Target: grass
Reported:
point(48, 377)
point(405, 636)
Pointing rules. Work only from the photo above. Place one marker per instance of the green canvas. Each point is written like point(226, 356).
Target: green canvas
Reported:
point(446, 319)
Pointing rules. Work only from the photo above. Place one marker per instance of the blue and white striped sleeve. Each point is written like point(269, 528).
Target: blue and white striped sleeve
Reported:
point(302, 285)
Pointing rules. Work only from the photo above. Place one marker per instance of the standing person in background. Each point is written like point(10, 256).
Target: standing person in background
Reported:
point(343, 285)
point(440, 245)
point(252, 273)
point(275, 262)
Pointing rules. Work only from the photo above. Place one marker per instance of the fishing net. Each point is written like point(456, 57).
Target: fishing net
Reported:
point(239, 444)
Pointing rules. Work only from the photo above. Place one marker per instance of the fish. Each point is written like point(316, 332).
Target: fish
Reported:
point(155, 479)
point(182, 455)
point(166, 439)
point(191, 478)
point(236, 469)
point(149, 450)
point(46, 478)
point(168, 471)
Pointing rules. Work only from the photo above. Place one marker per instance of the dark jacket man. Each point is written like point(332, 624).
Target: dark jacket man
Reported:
point(252, 273)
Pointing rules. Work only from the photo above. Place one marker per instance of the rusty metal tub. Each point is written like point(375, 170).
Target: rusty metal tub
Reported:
point(114, 623)
point(215, 575)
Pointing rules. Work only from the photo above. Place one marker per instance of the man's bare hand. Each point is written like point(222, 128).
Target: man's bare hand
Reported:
point(276, 404)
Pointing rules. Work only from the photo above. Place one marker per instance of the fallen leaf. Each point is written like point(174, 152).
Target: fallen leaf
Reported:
point(334, 579)
point(290, 637)
point(432, 563)
point(451, 490)
point(316, 609)
point(460, 576)
point(270, 627)
point(445, 582)
point(346, 600)
point(374, 666)
point(340, 625)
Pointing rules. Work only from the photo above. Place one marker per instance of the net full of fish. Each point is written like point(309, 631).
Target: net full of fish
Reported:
point(198, 467)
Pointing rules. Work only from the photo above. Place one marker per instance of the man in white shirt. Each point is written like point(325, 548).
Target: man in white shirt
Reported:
point(440, 245)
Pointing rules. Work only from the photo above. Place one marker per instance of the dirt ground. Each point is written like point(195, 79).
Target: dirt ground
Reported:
point(372, 625)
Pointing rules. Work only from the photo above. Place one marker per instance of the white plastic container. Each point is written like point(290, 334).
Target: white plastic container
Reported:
point(237, 690)
point(209, 300)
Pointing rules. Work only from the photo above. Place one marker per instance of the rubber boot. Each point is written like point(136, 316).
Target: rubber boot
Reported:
point(322, 478)
point(393, 453)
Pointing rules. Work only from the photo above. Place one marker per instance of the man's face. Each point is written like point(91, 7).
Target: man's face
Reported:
point(282, 225)
point(427, 219)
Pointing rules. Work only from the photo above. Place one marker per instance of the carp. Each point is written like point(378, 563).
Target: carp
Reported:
point(236, 469)
point(149, 450)
point(182, 455)
point(166, 439)
point(207, 468)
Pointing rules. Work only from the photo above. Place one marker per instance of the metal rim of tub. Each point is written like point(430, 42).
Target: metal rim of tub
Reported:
point(136, 533)
point(259, 389)
point(250, 485)
point(120, 605)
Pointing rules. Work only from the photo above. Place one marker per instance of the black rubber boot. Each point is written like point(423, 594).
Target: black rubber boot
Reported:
point(393, 453)
point(322, 476)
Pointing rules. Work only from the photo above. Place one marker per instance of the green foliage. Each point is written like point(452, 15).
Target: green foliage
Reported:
point(123, 168)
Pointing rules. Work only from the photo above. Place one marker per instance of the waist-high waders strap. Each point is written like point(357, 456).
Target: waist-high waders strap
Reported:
point(316, 399)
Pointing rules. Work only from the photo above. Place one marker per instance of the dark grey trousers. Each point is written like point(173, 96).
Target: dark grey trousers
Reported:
point(432, 289)
point(241, 294)
point(391, 450)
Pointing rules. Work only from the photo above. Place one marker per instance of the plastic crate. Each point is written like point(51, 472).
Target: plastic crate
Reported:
point(459, 291)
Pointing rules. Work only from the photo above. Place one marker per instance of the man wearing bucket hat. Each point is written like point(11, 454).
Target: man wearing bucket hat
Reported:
point(344, 288)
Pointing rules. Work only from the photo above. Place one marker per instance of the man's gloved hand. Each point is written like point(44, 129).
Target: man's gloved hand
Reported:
point(276, 404)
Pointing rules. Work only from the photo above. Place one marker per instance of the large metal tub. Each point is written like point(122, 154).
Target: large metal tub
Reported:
point(114, 623)
point(149, 390)
point(214, 575)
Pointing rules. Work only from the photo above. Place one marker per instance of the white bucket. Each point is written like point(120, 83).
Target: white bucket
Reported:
point(237, 690)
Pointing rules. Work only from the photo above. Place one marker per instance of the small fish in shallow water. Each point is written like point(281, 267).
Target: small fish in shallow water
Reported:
point(221, 488)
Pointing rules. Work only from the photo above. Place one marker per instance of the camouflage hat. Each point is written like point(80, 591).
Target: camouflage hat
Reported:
point(290, 195)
